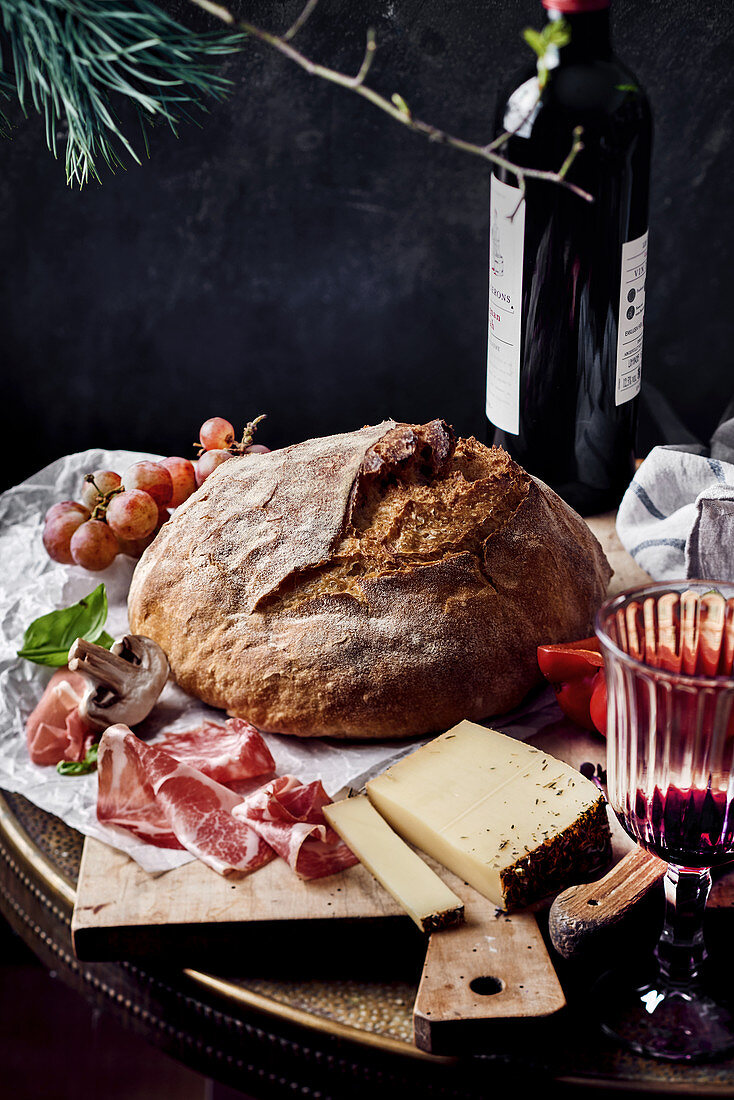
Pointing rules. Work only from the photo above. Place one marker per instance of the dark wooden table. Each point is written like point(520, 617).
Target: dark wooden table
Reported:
point(341, 1026)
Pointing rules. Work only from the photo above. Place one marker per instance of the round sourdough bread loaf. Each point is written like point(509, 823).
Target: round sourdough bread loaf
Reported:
point(388, 582)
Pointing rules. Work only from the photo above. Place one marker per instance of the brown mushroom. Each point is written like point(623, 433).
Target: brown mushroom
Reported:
point(126, 680)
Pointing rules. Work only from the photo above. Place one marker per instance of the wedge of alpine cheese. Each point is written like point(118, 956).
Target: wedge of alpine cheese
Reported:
point(415, 887)
point(512, 821)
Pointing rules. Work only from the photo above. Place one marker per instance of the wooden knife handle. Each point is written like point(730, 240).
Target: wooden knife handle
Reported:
point(581, 911)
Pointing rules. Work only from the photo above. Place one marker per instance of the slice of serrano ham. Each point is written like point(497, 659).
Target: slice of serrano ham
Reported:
point(289, 816)
point(54, 730)
point(227, 751)
point(146, 790)
point(125, 796)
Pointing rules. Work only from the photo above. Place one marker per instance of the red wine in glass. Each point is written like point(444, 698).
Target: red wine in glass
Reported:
point(689, 827)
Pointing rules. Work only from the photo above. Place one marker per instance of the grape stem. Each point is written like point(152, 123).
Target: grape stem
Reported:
point(396, 107)
point(100, 509)
point(249, 433)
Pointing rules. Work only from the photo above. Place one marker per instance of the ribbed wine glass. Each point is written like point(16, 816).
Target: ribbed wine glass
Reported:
point(670, 773)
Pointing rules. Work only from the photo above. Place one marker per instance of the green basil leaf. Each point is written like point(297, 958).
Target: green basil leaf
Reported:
point(70, 767)
point(80, 767)
point(48, 639)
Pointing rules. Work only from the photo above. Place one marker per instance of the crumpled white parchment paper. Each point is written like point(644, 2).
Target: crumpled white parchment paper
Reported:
point(32, 585)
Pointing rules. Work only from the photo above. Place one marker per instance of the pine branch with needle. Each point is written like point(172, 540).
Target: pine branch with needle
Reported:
point(70, 59)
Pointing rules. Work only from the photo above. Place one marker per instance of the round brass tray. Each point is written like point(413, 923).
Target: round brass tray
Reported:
point(316, 1036)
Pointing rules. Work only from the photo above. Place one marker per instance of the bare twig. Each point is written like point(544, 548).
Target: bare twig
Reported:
point(306, 12)
point(396, 107)
point(217, 10)
point(521, 200)
point(369, 53)
point(573, 151)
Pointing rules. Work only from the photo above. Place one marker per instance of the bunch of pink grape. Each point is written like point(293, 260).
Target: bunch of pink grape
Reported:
point(123, 514)
point(217, 443)
point(116, 514)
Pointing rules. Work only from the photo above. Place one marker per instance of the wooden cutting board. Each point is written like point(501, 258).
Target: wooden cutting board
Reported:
point(494, 969)
point(122, 911)
point(191, 915)
point(274, 919)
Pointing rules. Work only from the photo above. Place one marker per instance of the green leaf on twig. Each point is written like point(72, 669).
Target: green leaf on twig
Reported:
point(545, 43)
point(401, 105)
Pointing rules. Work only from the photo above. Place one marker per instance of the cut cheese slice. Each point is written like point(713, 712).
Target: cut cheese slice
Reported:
point(512, 821)
point(412, 883)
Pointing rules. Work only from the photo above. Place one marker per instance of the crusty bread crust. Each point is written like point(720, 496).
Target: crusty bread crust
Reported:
point(379, 584)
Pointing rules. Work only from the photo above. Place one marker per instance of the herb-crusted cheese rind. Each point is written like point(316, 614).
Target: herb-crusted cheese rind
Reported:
point(578, 851)
point(512, 821)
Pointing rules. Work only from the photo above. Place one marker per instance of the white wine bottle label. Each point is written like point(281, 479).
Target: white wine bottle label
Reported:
point(631, 319)
point(507, 237)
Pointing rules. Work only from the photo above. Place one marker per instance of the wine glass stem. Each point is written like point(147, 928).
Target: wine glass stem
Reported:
point(681, 950)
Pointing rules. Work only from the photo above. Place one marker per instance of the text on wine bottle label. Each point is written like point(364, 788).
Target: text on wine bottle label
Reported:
point(631, 318)
point(507, 237)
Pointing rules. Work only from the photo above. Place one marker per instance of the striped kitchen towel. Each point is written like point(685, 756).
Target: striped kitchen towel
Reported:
point(677, 517)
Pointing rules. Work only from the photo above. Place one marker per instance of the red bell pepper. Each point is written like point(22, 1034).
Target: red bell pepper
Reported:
point(575, 671)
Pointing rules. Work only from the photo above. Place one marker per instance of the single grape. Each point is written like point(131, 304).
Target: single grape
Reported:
point(216, 434)
point(163, 517)
point(135, 547)
point(257, 449)
point(208, 462)
point(64, 506)
point(104, 481)
point(183, 476)
point(152, 477)
point(94, 546)
point(57, 533)
point(132, 514)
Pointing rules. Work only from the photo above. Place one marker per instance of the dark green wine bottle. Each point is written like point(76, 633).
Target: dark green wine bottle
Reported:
point(567, 277)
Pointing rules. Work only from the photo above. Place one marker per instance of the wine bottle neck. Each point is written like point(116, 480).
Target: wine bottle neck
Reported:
point(590, 35)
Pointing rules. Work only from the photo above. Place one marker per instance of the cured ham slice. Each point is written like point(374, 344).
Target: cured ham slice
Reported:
point(289, 816)
point(226, 752)
point(146, 790)
point(54, 730)
point(125, 796)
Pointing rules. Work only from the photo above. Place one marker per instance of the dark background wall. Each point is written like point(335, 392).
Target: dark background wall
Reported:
point(304, 256)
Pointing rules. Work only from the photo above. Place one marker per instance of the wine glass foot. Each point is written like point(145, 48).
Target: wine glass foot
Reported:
point(675, 1023)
